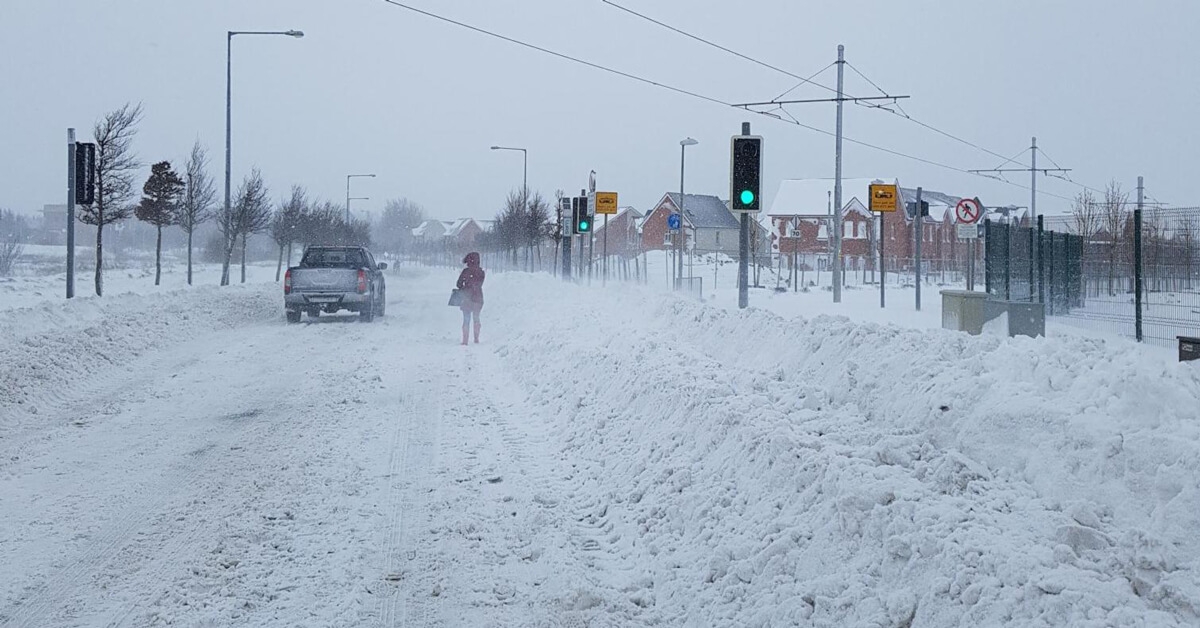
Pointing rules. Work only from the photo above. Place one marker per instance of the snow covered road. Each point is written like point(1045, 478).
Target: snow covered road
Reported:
point(605, 458)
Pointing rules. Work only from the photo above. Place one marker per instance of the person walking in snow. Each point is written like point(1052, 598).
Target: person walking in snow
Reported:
point(470, 283)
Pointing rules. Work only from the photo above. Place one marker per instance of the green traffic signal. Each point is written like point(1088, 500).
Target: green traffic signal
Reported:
point(747, 197)
point(583, 225)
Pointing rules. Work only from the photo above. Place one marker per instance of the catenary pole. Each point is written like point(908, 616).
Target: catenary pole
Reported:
point(837, 181)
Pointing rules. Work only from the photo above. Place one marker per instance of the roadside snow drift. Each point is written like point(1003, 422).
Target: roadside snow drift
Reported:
point(48, 349)
point(753, 470)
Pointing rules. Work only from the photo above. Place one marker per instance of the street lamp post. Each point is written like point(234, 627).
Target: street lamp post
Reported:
point(524, 177)
point(229, 108)
point(358, 198)
point(683, 144)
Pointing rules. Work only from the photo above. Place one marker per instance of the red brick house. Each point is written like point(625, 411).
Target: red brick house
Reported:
point(624, 240)
point(801, 217)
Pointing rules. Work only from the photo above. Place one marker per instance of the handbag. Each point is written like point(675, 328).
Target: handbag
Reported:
point(456, 297)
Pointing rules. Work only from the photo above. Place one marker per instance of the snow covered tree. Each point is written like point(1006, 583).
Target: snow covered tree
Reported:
point(198, 197)
point(115, 168)
point(160, 206)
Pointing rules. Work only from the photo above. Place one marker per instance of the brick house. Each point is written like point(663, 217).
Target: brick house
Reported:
point(801, 217)
point(623, 237)
point(708, 224)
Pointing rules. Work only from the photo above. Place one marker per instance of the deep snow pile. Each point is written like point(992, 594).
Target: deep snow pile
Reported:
point(55, 345)
point(748, 469)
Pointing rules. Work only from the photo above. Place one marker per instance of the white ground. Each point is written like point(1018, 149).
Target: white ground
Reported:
point(611, 457)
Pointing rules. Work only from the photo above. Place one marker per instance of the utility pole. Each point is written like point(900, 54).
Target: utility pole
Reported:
point(840, 99)
point(837, 182)
point(1033, 171)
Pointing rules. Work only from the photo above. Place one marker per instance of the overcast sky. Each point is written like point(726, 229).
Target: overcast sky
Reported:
point(1109, 88)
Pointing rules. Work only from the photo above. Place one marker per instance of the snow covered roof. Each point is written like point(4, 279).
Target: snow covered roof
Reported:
point(705, 212)
point(456, 226)
point(813, 196)
point(635, 217)
point(429, 228)
point(941, 205)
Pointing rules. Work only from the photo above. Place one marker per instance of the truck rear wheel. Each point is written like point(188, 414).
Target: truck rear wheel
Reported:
point(293, 316)
point(367, 314)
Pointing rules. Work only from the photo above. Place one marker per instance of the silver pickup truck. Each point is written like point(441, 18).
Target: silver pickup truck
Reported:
point(333, 278)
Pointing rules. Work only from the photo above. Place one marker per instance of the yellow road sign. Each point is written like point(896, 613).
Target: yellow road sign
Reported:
point(606, 202)
point(884, 197)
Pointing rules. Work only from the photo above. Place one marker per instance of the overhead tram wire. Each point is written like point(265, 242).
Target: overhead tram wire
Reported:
point(723, 48)
point(803, 79)
point(686, 92)
point(557, 54)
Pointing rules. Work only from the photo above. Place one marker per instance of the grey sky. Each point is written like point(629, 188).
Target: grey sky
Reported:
point(1108, 88)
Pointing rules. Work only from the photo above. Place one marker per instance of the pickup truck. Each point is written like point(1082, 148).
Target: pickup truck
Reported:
point(333, 278)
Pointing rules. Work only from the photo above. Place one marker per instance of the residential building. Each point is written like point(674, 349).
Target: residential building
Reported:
point(708, 224)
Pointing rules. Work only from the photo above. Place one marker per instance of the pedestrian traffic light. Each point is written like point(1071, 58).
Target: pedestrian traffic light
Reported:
point(745, 172)
point(582, 215)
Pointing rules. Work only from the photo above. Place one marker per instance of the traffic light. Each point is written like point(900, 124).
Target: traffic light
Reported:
point(85, 173)
point(745, 172)
point(581, 214)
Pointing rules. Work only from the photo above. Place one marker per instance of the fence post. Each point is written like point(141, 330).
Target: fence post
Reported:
point(1050, 309)
point(1008, 262)
point(1041, 265)
point(1137, 271)
point(987, 258)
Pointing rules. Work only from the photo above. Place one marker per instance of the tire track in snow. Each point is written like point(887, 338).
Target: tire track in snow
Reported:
point(411, 451)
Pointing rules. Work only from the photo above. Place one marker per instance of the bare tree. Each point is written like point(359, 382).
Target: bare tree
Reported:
point(1114, 217)
point(285, 222)
point(13, 232)
point(537, 217)
point(115, 168)
point(1085, 213)
point(198, 197)
point(400, 217)
point(160, 206)
point(1187, 230)
point(251, 213)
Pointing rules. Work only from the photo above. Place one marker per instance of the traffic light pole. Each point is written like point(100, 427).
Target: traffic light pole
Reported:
point(71, 213)
point(744, 251)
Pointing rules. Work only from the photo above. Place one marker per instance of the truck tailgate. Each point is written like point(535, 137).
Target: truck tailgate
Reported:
point(324, 280)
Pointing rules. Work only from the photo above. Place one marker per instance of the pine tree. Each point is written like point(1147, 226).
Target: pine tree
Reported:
point(160, 206)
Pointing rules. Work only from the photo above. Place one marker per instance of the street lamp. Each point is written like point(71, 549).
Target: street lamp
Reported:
point(683, 144)
point(229, 103)
point(357, 198)
point(524, 172)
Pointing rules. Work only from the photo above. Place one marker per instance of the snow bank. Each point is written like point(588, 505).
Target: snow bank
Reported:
point(47, 349)
point(755, 470)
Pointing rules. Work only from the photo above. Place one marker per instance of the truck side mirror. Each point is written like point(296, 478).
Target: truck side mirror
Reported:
point(382, 265)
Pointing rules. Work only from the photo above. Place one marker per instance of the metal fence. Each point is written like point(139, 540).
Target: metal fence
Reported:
point(1139, 278)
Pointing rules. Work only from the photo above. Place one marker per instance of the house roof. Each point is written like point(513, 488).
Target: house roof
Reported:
point(941, 205)
point(456, 226)
point(634, 215)
point(813, 196)
point(429, 227)
point(705, 212)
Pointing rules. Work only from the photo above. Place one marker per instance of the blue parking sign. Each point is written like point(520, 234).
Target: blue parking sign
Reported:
point(673, 222)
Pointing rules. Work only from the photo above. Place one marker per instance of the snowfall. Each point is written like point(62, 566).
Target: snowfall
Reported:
point(607, 456)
